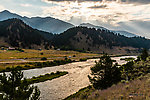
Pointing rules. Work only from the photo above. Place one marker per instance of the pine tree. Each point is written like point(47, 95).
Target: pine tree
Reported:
point(14, 87)
point(104, 73)
point(144, 54)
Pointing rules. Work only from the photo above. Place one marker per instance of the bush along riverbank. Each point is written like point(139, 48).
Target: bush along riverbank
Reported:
point(46, 77)
point(33, 65)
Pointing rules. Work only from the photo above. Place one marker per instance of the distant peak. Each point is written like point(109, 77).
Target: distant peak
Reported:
point(5, 11)
point(86, 24)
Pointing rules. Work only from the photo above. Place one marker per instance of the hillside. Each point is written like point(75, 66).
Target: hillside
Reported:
point(98, 40)
point(124, 33)
point(134, 90)
point(134, 83)
point(16, 33)
point(47, 24)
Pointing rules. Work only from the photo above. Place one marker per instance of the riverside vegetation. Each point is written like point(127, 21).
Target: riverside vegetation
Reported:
point(33, 65)
point(9, 58)
point(16, 87)
point(129, 81)
point(46, 77)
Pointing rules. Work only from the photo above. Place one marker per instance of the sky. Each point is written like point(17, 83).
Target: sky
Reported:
point(128, 15)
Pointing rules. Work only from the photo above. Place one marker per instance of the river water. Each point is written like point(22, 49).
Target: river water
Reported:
point(62, 87)
point(66, 85)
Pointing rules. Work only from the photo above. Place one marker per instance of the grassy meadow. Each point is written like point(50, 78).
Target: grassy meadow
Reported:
point(30, 53)
point(14, 58)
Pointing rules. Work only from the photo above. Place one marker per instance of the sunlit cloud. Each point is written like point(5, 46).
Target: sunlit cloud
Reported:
point(26, 5)
point(110, 12)
point(2, 8)
point(116, 15)
point(24, 13)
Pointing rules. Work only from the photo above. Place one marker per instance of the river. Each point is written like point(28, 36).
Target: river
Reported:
point(66, 85)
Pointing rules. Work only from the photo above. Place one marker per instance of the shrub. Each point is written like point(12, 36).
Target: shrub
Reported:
point(43, 58)
point(8, 69)
point(57, 72)
point(83, 59)
point(26, 66)
point(144, 54)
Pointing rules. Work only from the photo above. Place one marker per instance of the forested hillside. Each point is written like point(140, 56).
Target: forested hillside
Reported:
point(16, 33)
point(91, 39)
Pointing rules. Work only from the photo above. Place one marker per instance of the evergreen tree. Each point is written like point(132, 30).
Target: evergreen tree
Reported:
point(104, 73)
point(14, 87)
point(144, 54)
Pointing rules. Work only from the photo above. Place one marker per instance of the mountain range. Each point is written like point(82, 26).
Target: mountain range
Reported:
point(86, 38)
point(47, 24)
point(52, 25)
point(125, 33)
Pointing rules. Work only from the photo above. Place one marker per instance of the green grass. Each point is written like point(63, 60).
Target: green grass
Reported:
point(46, 77)
point(128, 59)
point(83, 59)
point(33, 65)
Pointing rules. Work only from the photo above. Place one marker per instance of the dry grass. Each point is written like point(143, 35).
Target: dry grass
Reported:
point(28, 53)
point(16, 58)
point(138, 89)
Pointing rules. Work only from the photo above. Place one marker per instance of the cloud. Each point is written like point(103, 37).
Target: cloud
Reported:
point(2, 8)
point(123, 1)
point(26, 5)
point(137, 1)
point(24, 13)
point(70, 0)
point(111, 12)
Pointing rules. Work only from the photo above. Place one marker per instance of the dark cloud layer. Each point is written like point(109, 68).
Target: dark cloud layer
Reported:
point(73, 0)
point(101, 6)
point(139, 1)
point(128, 1)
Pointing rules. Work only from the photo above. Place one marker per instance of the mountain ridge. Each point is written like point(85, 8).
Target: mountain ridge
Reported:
point(47, 24)
point(125, 33)
point(98, 40)
point(52, 25)
point(14, 32)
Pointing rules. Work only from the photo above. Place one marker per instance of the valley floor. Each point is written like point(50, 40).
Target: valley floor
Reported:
point(9, 58)
point(60, 88)
point(63, 86)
